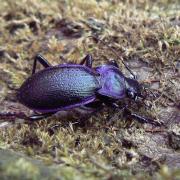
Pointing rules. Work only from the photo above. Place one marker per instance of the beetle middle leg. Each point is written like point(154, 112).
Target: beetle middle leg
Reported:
point(36, 117)
point(88, 60)
point(42, 61)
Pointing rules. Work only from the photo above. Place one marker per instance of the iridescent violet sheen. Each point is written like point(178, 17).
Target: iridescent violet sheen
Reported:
point(112, 82)
point(59, 88)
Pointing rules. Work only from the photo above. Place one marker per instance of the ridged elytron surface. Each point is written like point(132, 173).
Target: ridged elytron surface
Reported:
point(59, 87)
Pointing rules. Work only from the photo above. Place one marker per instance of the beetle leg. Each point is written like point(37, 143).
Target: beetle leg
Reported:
point(36, 117)
point(13, 116)
point(113, 63)
point(94, 105)
point(117, 111)
point(88, 60)
point(145, 120)
point(141, 119)
point(127, 112)
point(42, 61)
point(21, 115)
point(109, 102)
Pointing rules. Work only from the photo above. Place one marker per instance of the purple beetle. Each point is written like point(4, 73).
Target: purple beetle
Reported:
point(67, 86)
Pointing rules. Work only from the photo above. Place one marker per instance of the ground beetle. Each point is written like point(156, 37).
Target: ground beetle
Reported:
point(68, 86)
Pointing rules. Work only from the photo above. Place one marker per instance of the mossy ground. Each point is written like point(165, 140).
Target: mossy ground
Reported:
point(146, 34)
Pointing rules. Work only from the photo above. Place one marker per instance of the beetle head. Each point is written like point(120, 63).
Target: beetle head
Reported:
point(133, 89)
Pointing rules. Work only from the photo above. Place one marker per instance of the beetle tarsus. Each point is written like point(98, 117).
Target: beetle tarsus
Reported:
point(44, 62)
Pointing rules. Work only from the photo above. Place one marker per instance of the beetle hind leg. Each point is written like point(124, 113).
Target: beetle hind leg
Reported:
point(12, 116)
point(42, 61)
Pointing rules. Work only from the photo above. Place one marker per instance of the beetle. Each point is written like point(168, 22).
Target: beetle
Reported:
point(68, 86)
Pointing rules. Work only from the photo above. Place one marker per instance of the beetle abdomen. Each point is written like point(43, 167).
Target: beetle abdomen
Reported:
point(59, 87)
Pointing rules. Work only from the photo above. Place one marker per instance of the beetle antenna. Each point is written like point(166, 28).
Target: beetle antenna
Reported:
point(103, 42)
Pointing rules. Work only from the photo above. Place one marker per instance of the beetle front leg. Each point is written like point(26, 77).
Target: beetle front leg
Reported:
point(127, 112)
point(88, 60)
point(141, 119)
point(42, 61)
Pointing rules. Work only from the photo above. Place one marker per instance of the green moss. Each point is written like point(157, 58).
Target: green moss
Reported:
point(21, 169)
